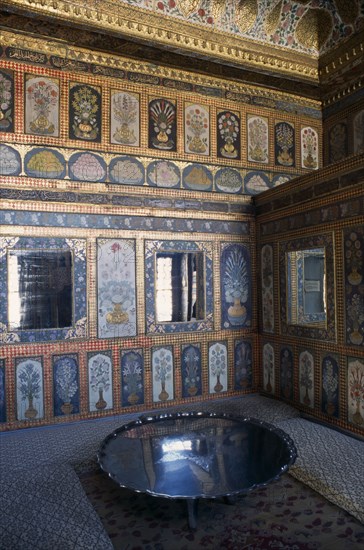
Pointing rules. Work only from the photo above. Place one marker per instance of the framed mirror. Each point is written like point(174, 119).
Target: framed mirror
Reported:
point(180, 287)
point(40, 289)
point(43, 292)
point(306, 287)
point(179, 293)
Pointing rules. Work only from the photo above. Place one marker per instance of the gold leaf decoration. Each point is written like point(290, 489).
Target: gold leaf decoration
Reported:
point(246, 12)
point(218, 8)
point(272, 21)
point(314, 28)
point(186, 7)
point(348, 10)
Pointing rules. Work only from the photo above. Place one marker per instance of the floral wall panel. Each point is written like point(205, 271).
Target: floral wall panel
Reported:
point(309, 148)
point(125, 118)
point(116, 291)
point(338, 142)
point(243, 362)
point(358, 134)
point(266, 260)
point(87, 167)
point(132, 377)
point(2, 391)
point(162, 132)
point(228, 135)
point(69, 289)
point(6, 101)
point(228, 180)
point(85, 112)
point(306, 379)
point(330, 385)
point(126, 170)
point(236, 287)
point(42, 96)
point(258, 139)
point(43, 162)
point(284, 144)
point(29, 388)
point(197, 177)
point(197, 129)
point(218, 366)
point(354, 284)
point(356, 391)
point(66, 388)
point(162, 372)
point(256, 182)
point(191, 370)
point(268, 369)
point(163, 173)
point(286, 373)
point(10, 160)
point(100, 381)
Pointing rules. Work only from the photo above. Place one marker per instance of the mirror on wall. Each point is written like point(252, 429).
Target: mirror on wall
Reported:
point(306, 287)
point(179, 287)
point(40, 289)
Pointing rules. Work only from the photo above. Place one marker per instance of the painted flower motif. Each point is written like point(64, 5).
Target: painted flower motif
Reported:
point(356, 382)
point(228, 126)
point(43, 95)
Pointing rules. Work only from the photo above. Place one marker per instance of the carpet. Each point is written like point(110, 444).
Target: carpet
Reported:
point(285, 515)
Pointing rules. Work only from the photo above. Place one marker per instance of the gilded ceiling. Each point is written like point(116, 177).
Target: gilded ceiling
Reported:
point(309, 26)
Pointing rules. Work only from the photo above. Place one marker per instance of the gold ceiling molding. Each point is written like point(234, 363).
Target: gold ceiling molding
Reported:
point(118, 19)
point(31, 48)
point(344, 56)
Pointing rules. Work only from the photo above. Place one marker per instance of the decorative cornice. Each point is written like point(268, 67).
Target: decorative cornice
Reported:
point(145, 26)
point(35, 50)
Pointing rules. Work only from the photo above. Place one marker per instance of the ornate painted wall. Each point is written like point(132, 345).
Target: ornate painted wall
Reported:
point(106, 163)
point(315, 365)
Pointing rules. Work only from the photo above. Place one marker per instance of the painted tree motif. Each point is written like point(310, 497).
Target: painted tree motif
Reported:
point(257, 139)
point(162, 367)
point(191, 370)
point(66, 382)
point(306, 378)
point(100, 378)
point(268, 368)
point(330, 385)
point(132, 373)
point(30, 387)
point(236, 285)
point(218, 364)
point(356, 391)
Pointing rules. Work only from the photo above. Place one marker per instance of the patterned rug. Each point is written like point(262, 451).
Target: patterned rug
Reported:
point(285, 515)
